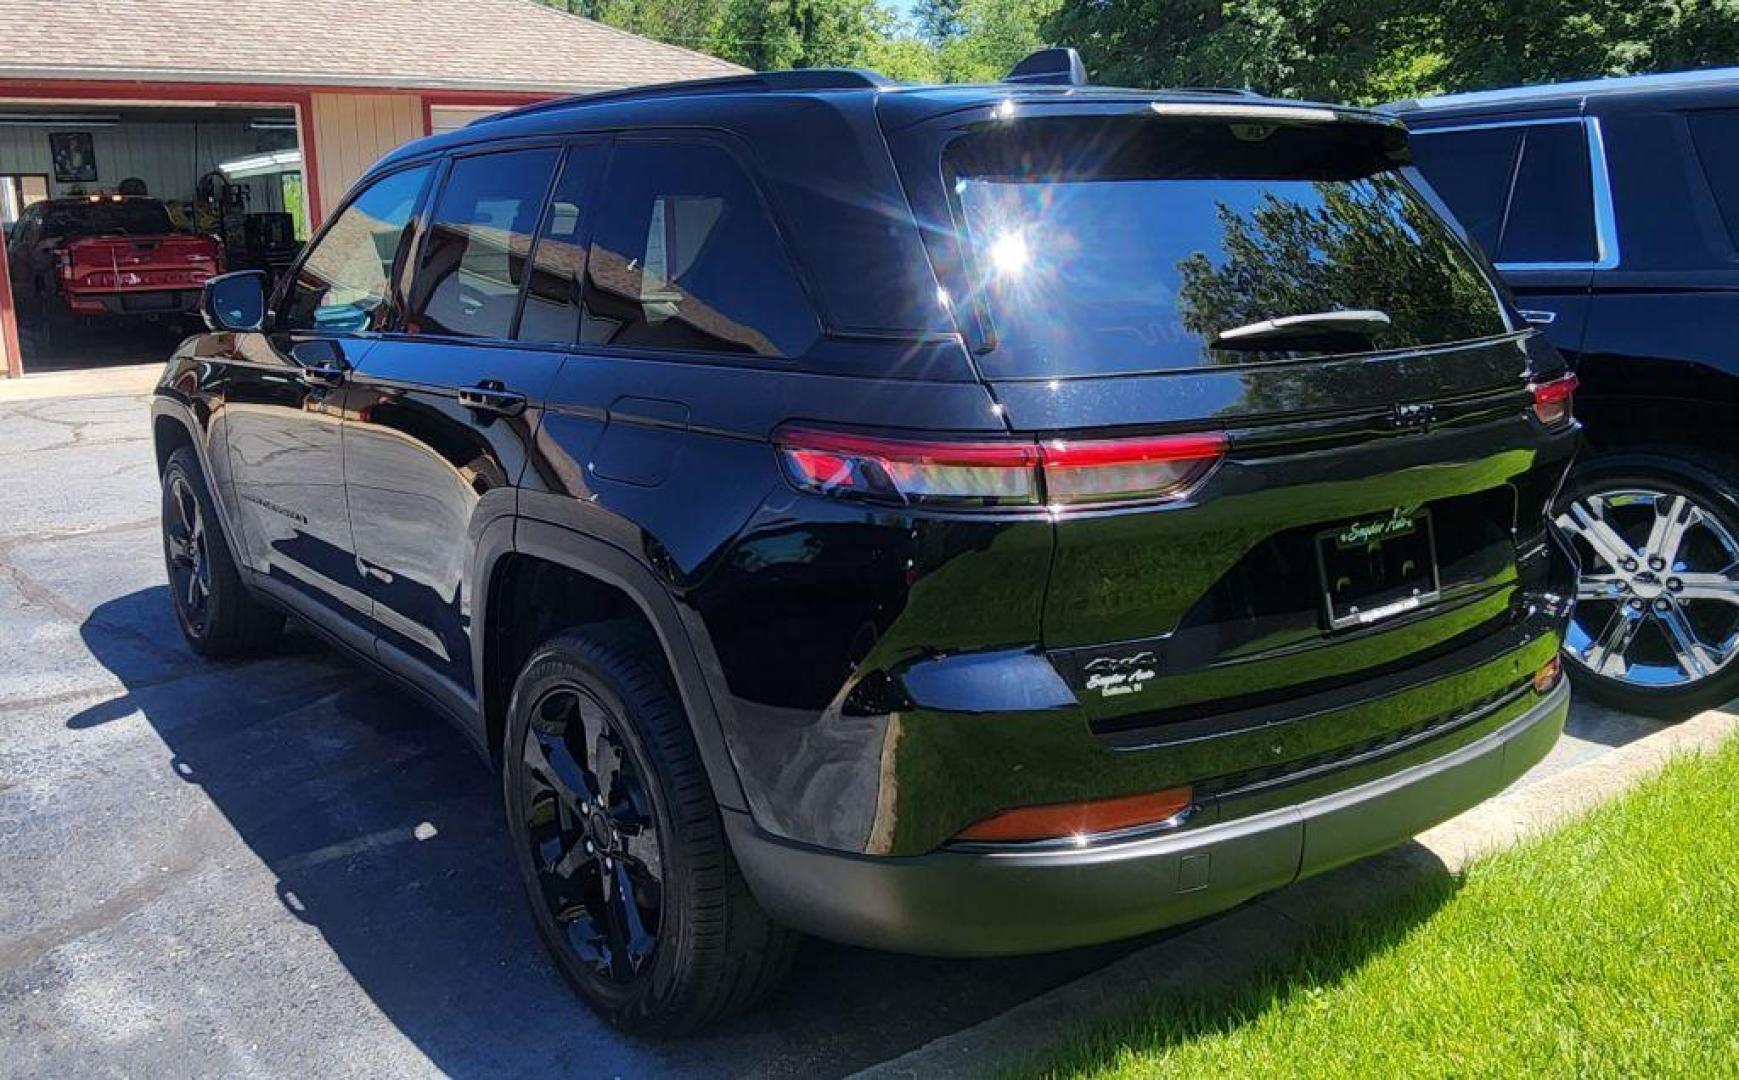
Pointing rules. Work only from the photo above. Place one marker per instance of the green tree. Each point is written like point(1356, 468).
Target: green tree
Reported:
point(1488, 43)
point(992, 36)
point(1319, 48)
point(776, 34)
point(938, 20)
point(1364, 51)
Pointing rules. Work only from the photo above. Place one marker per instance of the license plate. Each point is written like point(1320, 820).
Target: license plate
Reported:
point(1376, 568)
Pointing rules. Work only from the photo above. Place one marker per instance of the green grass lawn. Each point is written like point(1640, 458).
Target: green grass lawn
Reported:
point(1610, 948)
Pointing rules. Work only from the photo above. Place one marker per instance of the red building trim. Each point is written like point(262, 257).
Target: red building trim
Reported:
point(473, 99)
point(9, 323)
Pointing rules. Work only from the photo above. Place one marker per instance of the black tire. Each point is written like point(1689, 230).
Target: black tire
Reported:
point(1712, 485)
point(705, 948)
point(214, 609)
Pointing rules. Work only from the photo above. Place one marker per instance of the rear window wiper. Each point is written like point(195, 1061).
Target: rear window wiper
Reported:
point(1321, 330)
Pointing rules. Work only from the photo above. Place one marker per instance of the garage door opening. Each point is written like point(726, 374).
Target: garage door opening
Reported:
point(115, 217)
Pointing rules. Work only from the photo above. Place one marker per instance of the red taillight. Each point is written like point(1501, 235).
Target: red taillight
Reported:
point(1553, 400)
point(904, 470)
point(1058, 472)
point(1121, 470)
point(1080, 820)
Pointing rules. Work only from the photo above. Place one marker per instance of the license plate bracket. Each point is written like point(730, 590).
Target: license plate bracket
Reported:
point(1376, 568)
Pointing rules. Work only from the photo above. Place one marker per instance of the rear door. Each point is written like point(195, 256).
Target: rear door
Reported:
point(443, 410)
point(1124, 273)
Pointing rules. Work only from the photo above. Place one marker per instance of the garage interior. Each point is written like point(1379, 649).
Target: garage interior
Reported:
point(233, 173)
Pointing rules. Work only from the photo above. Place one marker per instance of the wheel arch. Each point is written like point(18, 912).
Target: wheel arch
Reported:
point(569, 572)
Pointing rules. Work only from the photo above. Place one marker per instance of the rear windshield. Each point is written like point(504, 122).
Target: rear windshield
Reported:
point(130, 218)
point(1109, 247)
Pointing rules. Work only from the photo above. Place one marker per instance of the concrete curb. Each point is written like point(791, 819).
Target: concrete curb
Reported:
point(1234, 946)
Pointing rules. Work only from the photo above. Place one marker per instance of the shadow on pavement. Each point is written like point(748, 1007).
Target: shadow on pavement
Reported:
point(384, 832)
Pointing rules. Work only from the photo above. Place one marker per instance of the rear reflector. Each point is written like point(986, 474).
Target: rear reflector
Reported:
point(1081, 820)
point(989, 473)
point(1553, 400)
point(1547, 676)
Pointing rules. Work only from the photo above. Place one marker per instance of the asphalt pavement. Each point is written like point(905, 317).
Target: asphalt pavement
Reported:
point(287, 866)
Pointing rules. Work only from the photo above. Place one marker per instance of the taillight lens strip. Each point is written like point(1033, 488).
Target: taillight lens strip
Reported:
point(996, 473)
point(1554, 399)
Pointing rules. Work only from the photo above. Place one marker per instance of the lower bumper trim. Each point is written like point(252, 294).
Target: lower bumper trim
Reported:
point(994, 903)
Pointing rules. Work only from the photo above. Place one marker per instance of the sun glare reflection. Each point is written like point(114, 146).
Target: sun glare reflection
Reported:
point(1009, 254)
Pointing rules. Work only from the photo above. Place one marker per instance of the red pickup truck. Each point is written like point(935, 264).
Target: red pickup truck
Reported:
point(107, 256)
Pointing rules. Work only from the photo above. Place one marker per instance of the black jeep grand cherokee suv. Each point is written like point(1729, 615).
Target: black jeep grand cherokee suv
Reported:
point(959, 520)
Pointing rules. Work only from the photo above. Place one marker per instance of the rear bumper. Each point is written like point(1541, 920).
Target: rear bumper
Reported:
point(955, 903)
point(134, 301)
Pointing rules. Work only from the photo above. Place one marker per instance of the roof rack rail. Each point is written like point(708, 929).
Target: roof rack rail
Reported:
point(1061, 66)
point(760, 81)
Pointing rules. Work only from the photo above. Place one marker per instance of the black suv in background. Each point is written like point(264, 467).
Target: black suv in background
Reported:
point(964, 520)
point(1611, 209)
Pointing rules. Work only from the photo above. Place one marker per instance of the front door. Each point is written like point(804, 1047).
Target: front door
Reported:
point(286, 399)
point(443, 412)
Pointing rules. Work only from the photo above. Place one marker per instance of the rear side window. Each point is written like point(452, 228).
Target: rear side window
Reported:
point(345, 282)
point(1716, 134)
point(109, 217)
point(1551, 214)
point(1114, 247)
point(685, 257)
point(1523, 192)
point(474, 258)
point(1472, 171)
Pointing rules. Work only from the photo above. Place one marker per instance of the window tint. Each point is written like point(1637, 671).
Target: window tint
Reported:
point(685, 257)
point(1472, 171)
point(1551, 214)
point(344, 283)
point(552, 300)
point(1716, 134)
point(474, 257)
point(1114, 247)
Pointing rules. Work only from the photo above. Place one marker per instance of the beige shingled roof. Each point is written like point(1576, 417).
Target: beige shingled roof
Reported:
point(473, 44)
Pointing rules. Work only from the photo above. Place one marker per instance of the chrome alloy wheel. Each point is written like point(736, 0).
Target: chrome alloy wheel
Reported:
point(1657, 604)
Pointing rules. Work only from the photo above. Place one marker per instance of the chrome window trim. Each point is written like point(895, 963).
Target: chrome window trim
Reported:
point(1605, 216)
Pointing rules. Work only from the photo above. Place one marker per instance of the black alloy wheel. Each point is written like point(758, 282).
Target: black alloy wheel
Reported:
point(620, 844)
point(189, 561)
point(217, 614)
point(592, 833)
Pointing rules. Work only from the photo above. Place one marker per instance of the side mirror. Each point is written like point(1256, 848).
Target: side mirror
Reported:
point(235, 302)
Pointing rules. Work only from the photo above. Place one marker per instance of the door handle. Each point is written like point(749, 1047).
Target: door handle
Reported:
point(322, 374)
point(491, 397)
point(1538, 318)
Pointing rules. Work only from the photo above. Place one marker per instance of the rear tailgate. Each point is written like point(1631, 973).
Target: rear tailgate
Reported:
point(1380, 490)
point(119, 264)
